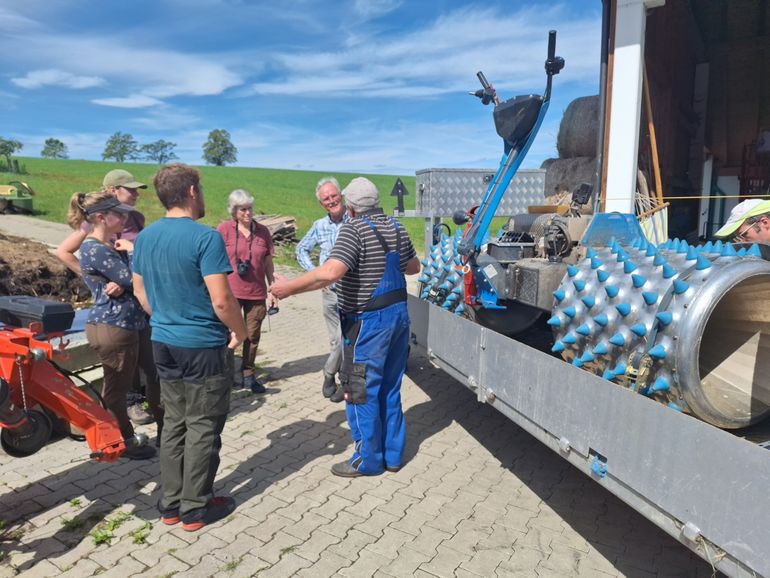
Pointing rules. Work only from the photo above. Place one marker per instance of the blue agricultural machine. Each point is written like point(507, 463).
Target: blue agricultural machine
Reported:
point(616, 304)
point(644, 364)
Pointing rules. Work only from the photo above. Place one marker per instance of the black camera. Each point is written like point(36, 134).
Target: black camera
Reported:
point(242, 267)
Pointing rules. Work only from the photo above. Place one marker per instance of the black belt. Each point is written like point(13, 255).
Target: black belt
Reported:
point(386, 299)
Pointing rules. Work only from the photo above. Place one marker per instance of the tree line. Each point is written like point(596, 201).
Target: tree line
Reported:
point(218, 149)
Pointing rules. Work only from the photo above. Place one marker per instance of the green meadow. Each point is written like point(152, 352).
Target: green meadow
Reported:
point(275, 191)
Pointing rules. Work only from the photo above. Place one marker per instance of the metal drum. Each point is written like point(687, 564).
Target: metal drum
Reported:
point(688, 326)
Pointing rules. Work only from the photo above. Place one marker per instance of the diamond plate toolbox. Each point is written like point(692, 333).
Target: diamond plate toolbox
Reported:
point(441, 192)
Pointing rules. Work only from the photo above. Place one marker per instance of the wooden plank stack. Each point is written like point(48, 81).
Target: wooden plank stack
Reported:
point(283, 228)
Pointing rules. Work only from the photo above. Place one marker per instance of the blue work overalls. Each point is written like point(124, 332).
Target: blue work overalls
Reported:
point(375, 347)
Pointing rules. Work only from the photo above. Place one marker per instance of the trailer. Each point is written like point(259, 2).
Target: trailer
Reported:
point(693, 459)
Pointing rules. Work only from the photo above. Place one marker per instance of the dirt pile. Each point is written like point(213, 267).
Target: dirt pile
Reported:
point(27, 268)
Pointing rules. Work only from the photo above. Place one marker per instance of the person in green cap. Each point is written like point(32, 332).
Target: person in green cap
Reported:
point(125, 188)
point(749, 222)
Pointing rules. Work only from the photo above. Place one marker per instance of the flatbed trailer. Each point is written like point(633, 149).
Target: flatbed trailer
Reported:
point(674, 78)
point(706, 487)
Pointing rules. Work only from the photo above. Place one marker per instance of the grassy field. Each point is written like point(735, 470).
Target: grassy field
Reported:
point(283, 192)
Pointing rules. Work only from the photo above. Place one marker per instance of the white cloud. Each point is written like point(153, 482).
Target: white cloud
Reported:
point(131, 101)
point(395, 148)
point(53, 77)
point(83, 61)
point(168, 118)
point(374, 8)
point(11, 22)
point(443, 57)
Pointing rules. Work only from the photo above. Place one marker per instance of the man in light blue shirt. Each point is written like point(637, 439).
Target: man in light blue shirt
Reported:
point(323, 234)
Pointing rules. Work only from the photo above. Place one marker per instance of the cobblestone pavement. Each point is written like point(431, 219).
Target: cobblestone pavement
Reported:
point(477, 497)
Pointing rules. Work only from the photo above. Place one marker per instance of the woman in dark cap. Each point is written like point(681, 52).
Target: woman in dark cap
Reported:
point(114, 323)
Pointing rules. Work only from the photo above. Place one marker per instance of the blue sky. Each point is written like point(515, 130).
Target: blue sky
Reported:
point(349, 85)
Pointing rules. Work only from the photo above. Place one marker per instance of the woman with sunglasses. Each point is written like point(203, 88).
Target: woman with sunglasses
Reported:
point(114, 322)
point(249, 247)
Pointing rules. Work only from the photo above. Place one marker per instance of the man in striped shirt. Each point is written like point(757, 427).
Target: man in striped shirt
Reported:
point(323, 234)
point(368, 263)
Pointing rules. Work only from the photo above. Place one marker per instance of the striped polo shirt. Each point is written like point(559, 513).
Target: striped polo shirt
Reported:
point(358, 248)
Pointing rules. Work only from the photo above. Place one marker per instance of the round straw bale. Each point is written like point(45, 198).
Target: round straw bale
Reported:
point(562, 176)
point(578, 128)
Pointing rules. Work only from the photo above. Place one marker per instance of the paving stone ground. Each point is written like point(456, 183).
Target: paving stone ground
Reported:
point(478, 496)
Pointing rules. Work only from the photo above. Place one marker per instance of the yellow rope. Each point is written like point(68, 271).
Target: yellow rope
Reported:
point(683, 198)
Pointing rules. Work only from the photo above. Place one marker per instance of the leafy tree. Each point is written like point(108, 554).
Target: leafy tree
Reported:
point(54, 149)
point(120, 147)
point(219, 150)
point(160, 151)
point(7, 148)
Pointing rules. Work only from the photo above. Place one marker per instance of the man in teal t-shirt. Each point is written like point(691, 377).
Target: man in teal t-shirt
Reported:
point(180, 278)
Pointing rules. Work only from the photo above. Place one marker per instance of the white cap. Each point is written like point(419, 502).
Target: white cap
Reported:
point(741, 212)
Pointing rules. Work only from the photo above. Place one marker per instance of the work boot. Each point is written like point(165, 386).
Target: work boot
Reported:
point(253, 384)
point(329, 386)
point(139, 453)
point(138, 415)
point(137, 448)
point(338, 395)
point(345, 470)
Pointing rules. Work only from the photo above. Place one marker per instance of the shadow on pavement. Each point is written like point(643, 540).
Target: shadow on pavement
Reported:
point(291, 448)
point(617, 532)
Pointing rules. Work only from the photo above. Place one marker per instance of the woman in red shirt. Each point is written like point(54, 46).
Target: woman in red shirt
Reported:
point(250, 250)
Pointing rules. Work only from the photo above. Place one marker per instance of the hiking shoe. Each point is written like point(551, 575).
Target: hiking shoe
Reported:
point(329, 386)
point(216, 509)
point(345, 470)
point(393, 468)
point(138, 415)
point(338, 395)
point(253, 384)
point(170, 516)
point(143, 452)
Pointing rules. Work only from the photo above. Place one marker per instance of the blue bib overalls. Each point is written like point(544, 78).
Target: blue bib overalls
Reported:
point(375, 347)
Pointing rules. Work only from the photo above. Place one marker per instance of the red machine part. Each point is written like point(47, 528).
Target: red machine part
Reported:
point(32, 380)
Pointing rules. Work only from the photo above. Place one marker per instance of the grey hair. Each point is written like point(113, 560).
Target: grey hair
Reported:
point(326, 181)
point(238, 198)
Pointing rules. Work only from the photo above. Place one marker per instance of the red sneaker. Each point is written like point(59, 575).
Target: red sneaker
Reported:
point(216, 509)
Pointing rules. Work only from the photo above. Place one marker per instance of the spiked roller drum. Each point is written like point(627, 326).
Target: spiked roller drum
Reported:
point(688, 326)
point(442, 275)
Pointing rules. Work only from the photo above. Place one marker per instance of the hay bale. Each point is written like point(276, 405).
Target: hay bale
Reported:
point(578, 128)
point(563, 176)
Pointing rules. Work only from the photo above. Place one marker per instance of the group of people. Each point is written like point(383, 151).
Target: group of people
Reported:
point(177, 297)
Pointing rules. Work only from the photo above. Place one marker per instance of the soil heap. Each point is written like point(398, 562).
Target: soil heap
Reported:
point(27, 268)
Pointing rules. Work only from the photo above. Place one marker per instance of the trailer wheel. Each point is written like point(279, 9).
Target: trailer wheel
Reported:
point(18, 445)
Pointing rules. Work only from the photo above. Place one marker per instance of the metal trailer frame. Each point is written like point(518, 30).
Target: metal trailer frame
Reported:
point(707, 488)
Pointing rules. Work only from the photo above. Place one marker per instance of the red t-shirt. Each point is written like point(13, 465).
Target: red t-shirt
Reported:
point(253, 285)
